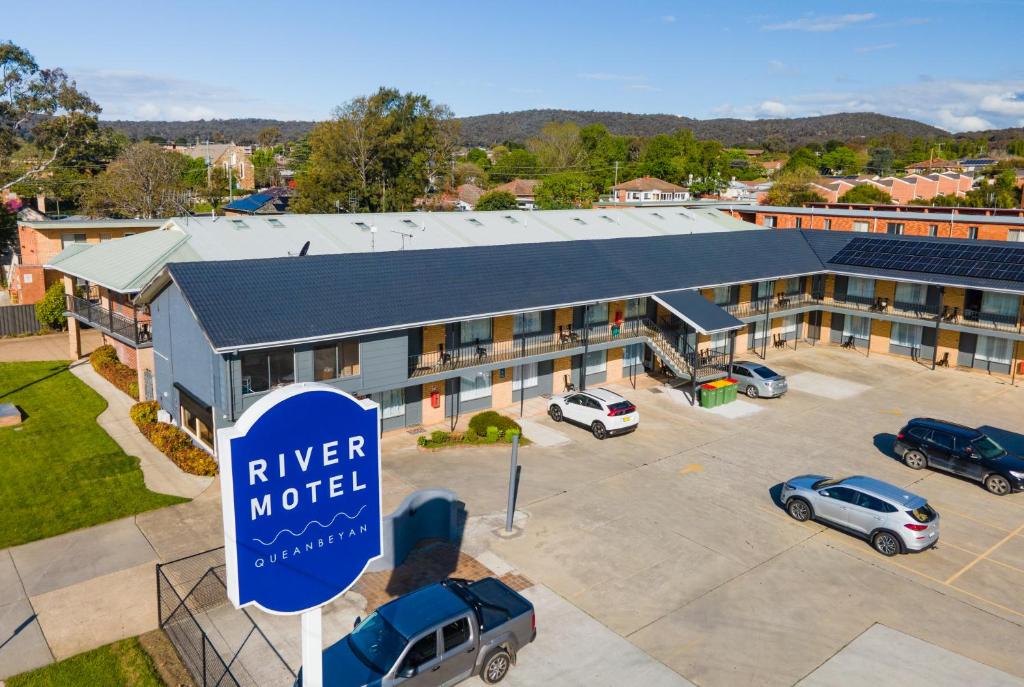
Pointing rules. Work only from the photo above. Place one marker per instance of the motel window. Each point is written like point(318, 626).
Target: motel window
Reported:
point(722, 294)
point(858, 327)
point(529, 376)
point(196, 418)
point(911, 294)
point(759, 332)
point(339, 359)
point(474, 387)
point(1015, 235)
point(633, 355)
point(475, 330)
point(720, 342)
point(392, 403)
point(265, 370)
point(597, 314)
point(905, 335)
point(993, 303)
point(799, 223)
point(526, 323)
point(770, 220)
point(597, 361)
point(636, 307)
point(68, 239)
point(933, 229)
point(764, 290)
point(861, 288)
point(792, 286)
point(972, 232)
point(827, 224)
point(994, 350)
point(860, 226)
point(789, 325)
point(894, 228)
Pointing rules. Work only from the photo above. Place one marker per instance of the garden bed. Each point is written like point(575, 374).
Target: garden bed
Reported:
point(104, 361)
point(172, 441)
point(485, 429)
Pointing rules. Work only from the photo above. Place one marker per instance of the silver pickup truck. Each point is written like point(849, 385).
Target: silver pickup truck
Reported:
point(436, 636)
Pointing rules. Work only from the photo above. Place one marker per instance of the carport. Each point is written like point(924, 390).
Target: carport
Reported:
point(700, 316)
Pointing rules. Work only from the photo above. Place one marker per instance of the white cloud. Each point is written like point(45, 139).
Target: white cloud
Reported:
point(137, 95)
point(643, 87)
point(948, 104)
point(780, 68)
point(669, 18)
point(876, 48)
point(608, 76)
point(820, 23)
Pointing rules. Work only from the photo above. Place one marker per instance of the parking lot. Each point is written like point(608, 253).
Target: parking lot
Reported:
point(671, 537)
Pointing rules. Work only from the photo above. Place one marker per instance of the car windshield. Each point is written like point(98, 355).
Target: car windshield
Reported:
point(824, 483)
point(764, 372)
point(987, 448)
point(377, 643)
point(621, 405)
point(922, 514)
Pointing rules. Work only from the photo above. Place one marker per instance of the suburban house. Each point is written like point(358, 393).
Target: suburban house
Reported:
point(272, 201)
point(975, 164)
point(525, 191)
point(754, 191)
point(648, 190)
point(236, 160)
point(40, 241)
point(901, 189)
point(462, 199)
point(772, 166)
point(102, 281)
point(934, 166)
point(506, 323)
point(912, 220)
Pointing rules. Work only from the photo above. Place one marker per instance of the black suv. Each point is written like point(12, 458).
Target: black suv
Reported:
point(961, 450)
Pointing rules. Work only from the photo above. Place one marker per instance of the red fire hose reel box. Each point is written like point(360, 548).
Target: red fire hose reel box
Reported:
point(435, 399)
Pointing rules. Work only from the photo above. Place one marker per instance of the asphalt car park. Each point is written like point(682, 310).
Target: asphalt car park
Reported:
point(672, 537)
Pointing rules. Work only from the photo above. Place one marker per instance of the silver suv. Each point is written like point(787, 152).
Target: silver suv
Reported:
point(892, 519)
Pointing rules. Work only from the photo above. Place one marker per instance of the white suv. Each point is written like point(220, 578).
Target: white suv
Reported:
point(603, 412)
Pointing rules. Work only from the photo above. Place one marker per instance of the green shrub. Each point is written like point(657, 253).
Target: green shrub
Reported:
point(471, 437)
point(493, 433)
point(144, 413)
point(490, 418)
point(439, 437)
point(104, 361)
point(50, 310)
point(511, 433)
point(422, 440)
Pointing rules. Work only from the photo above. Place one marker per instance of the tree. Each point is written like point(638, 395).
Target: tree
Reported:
point(470, 173)
point(565, 190)
point(558, 147)
point(268, 137)
point(378, 153)
point(802, 158)
point(145, 181)
point(496, 200)
point(478, 156)
point(215, 188)
point(791, 187)
point(880, 160)
point(841, 160)
point(1016, 147)
point(42, 104)
point(866, 193)
point(50, 310)
point(515, 164)
point(264, 164)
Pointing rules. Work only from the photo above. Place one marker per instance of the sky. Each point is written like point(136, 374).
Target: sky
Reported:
point(951, 63)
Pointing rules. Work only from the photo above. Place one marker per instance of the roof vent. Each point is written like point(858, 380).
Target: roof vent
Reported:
point(658, 215)
point(362, 225)
point(239, 224)
point(474, 221)
point(606, 218)
point(511, 219)
point(276, 223)
point(578, 220)
point(410, 223)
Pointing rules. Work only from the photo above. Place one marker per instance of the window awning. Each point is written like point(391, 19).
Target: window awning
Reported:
point(698, 312)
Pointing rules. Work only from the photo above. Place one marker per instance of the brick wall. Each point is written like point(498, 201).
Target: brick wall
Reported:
point(958, 229)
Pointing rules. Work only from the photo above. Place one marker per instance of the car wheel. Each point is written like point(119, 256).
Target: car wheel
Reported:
point(555, 413)
point(799, 509)
point(886, 543)
point(998, 485)
point(598, 430)
point(915, 459)
point(496, 667)
point(751, 391)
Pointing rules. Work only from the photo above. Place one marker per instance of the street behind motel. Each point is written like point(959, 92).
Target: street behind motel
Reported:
point(672, 538)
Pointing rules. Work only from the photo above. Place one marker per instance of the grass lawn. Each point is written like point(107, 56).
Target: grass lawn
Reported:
point(60, 471)
point(120, 663)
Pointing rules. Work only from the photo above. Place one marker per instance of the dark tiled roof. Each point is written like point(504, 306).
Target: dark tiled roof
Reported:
point(698, 311)
point(247, 302)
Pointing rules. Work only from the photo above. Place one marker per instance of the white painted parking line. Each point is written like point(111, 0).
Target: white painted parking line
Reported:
point(825, 386)
point(541, 434)
point(736, 409)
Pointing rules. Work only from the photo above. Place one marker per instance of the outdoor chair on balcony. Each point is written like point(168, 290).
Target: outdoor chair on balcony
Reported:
point(443, 356)
point(481, 351)
point(952, 316)
point(783, 301)
point(567, 384)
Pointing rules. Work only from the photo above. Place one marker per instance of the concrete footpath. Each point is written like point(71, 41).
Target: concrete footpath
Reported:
point(161, 475)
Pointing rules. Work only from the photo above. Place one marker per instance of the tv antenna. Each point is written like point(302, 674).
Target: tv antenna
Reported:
point(403, 235)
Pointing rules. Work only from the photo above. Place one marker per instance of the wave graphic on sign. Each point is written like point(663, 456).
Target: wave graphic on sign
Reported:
point(311, 522)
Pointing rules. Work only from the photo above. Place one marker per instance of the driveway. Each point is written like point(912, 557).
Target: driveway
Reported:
point(45, 346)
point(670, 537)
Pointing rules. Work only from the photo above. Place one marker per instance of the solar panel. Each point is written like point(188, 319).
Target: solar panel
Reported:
point(1005, 263)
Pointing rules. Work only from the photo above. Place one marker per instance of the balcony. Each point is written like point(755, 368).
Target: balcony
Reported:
point(487, 352)
point(987, 320)
point(778, 304)
point(127, 329)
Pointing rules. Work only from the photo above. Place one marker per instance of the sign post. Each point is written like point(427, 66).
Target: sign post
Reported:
point(301, 495)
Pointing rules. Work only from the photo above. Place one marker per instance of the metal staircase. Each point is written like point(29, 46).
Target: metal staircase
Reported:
point(686, 365)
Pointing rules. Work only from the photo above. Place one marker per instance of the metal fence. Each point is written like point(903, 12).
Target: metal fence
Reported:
point(220, 645)
point(18, 319)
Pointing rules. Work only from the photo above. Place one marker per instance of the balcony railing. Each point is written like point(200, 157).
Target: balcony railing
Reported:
point(115, 323)
point(989, 320)
point(778, 303)
point(486, 352)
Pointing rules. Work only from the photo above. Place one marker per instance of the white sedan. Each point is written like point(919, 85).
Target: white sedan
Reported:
point(603, 412)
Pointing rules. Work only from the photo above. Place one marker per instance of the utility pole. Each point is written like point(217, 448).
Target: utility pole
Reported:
point(616, 172)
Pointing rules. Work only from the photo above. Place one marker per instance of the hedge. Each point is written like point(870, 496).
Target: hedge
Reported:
point(495, 428)
point(491, 418)
point(104, 361)
point(172, 441)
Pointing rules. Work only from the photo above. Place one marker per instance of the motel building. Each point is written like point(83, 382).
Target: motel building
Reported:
point(480, 309)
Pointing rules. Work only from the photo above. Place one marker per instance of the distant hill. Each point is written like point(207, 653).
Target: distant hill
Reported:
point(847, 126)
point(489, 129)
